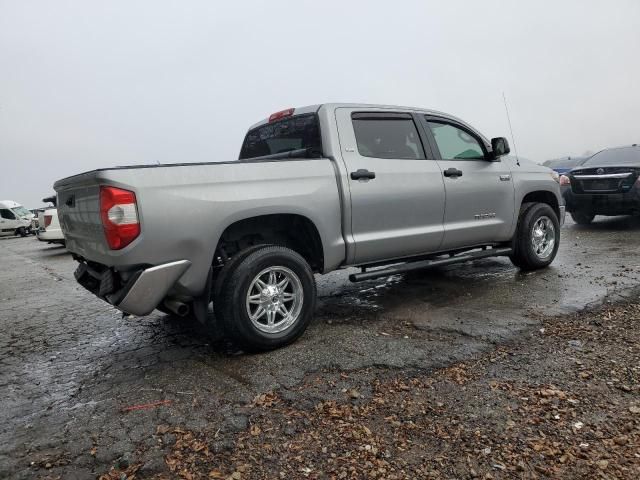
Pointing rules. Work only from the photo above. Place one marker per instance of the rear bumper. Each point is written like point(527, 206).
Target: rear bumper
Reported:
point(50, 235)
point(138, 292)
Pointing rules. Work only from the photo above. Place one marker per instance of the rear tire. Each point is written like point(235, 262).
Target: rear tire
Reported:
point(229, 267)
point(267, 299)
point(582, 218)
point(537, 237)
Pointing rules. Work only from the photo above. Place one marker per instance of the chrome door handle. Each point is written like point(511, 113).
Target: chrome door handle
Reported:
point(505, 178)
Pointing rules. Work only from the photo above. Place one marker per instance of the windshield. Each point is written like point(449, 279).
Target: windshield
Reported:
point(289, 134)
point(21, 211)
point(567, 163)
point(616, 156)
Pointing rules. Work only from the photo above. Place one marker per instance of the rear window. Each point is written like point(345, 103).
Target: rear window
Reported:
point(616, 156)
point(292, 133)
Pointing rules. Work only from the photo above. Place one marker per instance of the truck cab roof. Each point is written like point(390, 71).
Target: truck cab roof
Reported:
point(332, 106)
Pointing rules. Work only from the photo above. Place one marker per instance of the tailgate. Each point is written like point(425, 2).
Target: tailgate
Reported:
point(79, 214)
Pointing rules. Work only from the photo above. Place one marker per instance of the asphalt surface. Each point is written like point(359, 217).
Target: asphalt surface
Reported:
point(71, 366)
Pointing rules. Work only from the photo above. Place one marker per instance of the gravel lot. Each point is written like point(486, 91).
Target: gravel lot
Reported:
point(71, 368)
point(560, 402)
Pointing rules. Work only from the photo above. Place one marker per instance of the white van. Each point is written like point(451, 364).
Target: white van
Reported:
point(14, 219)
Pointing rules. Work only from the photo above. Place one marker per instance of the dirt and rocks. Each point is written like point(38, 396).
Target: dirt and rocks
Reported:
point(561, 402)
point(84, 391)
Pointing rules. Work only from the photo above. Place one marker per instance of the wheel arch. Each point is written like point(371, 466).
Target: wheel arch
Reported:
point(293, 230)
point(542, 196)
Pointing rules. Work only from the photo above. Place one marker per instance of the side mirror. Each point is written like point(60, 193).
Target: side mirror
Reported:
point(500, 147)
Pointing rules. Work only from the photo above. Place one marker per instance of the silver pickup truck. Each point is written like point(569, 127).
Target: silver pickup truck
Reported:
point(383, 188)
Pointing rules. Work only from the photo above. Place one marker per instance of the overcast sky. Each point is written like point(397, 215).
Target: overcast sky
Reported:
point(89, 84)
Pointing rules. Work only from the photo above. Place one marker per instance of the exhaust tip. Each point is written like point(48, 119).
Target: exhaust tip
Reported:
point(179, 308)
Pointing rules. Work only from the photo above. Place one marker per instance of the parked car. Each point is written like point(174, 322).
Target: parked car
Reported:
point(563, 165)
point(49, 230)
point(14, 219)
point(37, 220)
point(388, 189)
point(605, 184)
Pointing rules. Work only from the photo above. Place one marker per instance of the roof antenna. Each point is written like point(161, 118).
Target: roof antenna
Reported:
point(513, 139)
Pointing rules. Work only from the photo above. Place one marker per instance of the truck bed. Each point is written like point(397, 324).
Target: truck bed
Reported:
point(184, 208)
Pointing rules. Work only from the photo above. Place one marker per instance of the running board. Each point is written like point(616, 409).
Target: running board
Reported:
point(425, 264)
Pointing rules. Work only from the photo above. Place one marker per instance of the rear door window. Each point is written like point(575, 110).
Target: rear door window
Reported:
point(382, 135)
point(455, 143)
point(293, 133)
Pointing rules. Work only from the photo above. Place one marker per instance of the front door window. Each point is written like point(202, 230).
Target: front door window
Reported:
point(455, 143)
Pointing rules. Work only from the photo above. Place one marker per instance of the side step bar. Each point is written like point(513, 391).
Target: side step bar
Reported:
point(425, 264)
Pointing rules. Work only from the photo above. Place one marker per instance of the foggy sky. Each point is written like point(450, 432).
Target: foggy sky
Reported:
point(90, 84)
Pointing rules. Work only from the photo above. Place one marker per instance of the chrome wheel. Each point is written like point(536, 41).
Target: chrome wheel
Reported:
point(543, 237)
point(274, 299)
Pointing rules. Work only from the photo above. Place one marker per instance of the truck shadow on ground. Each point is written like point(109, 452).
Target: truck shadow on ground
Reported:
point(611, 224)
point(372, 302)
point(405, 301)
point(54, 251)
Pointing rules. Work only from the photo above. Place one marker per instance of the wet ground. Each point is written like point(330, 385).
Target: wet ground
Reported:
point(70, 366)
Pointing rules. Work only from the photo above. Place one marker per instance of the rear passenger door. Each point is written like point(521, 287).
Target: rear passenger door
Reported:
point(396, 189)
point(479, 190)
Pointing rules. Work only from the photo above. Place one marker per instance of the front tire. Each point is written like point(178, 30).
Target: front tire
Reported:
point(582, 218)
point(537, 237)
point(268, 299)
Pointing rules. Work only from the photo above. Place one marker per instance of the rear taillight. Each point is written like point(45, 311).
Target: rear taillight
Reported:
point(47, 220)
point(564, 180)
point(119, 214)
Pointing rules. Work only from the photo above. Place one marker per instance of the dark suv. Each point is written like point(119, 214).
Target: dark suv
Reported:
point(605, 184)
